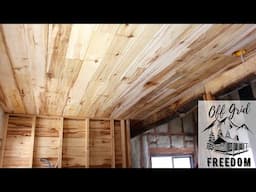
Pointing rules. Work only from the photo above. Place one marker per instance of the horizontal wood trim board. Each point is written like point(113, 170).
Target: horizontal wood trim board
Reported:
point(171, 151)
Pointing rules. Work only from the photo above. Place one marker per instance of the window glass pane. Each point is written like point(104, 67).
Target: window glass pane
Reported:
point(161, 162)
point(181, 162)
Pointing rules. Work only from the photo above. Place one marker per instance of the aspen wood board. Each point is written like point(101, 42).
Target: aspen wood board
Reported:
point(17, 150)
point(100, 144)
point(73, 143)
point(46, 144)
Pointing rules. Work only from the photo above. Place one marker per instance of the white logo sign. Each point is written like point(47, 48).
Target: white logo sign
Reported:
point(226, 134)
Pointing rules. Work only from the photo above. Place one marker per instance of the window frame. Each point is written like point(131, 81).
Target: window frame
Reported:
point(190, 156)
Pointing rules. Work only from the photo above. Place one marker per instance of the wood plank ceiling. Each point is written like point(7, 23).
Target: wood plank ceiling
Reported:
point(112, 70)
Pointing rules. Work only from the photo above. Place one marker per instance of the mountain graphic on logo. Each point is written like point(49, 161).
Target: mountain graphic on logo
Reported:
point(228, 124)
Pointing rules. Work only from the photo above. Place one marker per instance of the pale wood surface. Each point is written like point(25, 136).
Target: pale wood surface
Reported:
point(123, 144)
point(111, 70)
point(67, 143)
point(87, 142)
point(6, 119)
point(112, 132)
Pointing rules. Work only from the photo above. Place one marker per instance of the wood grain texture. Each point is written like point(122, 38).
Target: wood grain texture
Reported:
point(17, 150)
point(128, 144)
point(60, 142)
point(69, 143)
point(6, 119)
point(119, 71)
point(100, 144)
point(47, 142)
point(123, 144)
point(74, 143)
point(32, 141)
point(112, 132)
point(87, 142)
point(118, 144)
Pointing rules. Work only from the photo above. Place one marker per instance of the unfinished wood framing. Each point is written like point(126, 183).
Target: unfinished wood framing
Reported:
point(60, 143)
point(123, 142)
point(18, 142)
point(47, 142)
point(6, 119)
point(118, 145)
point(74, 143)
point(32, 141)
point(112, 129)
point(128, 144)
point(87, 143)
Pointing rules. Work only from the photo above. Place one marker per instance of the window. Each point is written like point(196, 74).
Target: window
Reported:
point(161, 162)
point(171, 161)
point(181, 162)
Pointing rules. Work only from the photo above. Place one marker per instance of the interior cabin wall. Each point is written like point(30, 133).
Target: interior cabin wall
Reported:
point(35, 141)
point(2, 119)
point(176, 137)
point(1, 125)
point(179, 136)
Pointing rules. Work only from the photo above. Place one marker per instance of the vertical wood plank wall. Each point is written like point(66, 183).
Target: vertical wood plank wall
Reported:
point(35, 141)
point(47, 142)
point(18, 141)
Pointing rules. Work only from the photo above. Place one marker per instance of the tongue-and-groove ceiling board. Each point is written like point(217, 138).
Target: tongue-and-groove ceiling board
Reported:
point(111, 70)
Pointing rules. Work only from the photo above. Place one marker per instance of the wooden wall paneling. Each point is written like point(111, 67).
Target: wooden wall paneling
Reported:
point(100, 144)
point(6, 118)
point(128, 144)
point(112, 130)
point(32, 141)
point(74, 141)
point(123, 144)
point(60, 143)
point(87, 142)
point(118, 146)
point(47, 142)
point(17, 152)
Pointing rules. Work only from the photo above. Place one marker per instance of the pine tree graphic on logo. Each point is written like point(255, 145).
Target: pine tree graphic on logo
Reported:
point(226, 144)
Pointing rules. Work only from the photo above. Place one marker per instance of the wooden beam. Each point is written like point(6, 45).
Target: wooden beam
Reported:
point(60, 142)
point(112, 133)
point(59, 116)
point(124, 165)
point(171, 151)
point(32, 141)
point(232, 76)
point(128, 144)
point(6, 119)
point(170, 134)
point(87, 136)
point(208, 96)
